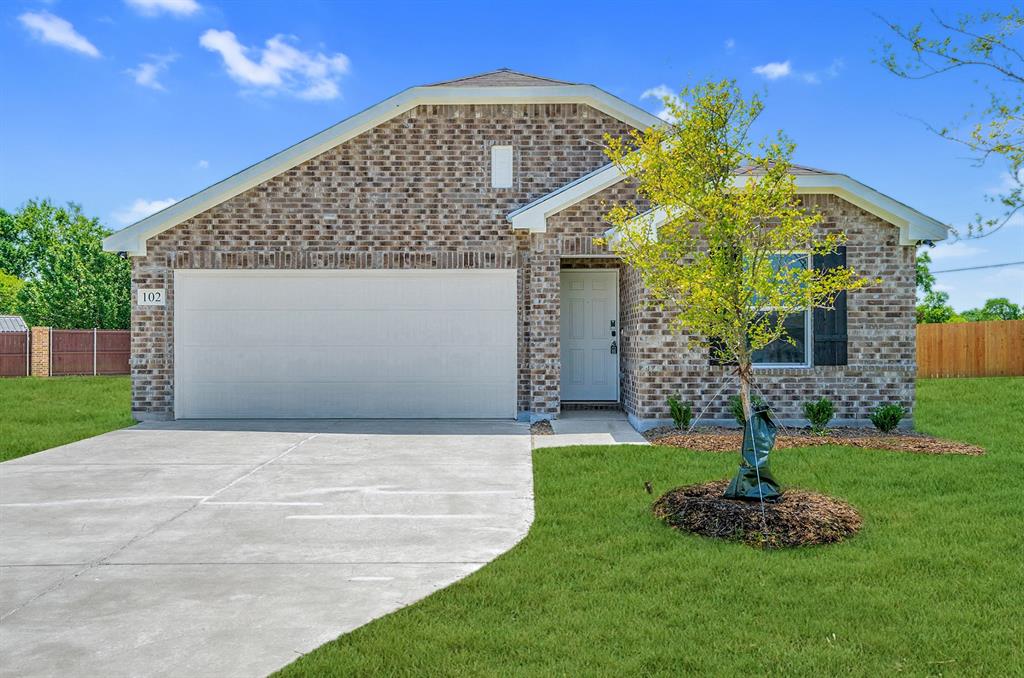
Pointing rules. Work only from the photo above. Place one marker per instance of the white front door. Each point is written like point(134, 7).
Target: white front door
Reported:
point(590, 334)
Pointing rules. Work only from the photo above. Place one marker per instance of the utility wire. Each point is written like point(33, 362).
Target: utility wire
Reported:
point(975, 268)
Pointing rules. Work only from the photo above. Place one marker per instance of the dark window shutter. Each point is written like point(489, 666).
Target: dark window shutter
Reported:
point(830, 325)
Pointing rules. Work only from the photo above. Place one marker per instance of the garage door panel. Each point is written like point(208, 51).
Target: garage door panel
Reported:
point(359, 365)
point(345, 344)
point(326, 399)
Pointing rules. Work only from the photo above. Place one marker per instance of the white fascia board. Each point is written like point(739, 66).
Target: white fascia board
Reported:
point(533, 216)
point(132, 239)
point(914, 226)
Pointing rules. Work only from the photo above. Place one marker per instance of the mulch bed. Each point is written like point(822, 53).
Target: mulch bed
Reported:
point(720, 439)
point(799, 518)
point(542, 428)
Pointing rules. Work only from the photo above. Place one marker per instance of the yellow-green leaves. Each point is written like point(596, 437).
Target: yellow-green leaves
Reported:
point(724, 214)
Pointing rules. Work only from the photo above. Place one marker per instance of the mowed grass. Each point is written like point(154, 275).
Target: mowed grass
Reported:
point(37, 414)
point(931, 586)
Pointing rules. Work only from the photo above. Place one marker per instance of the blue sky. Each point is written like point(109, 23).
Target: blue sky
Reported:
point(124, 105)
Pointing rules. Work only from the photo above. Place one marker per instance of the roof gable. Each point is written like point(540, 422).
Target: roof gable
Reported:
point(914, 226)
point(503, 77)
point(132, 239)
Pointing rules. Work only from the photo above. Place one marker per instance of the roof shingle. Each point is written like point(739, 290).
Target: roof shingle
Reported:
point(503, 77)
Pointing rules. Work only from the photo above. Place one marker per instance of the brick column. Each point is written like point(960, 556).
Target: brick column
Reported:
point(544, 329)
point(40, 352)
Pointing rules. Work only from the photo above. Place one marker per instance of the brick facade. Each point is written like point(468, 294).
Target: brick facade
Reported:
point(657, 363)
point(414, 192)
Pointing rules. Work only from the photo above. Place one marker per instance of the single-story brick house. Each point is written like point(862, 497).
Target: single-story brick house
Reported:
point(434, 256)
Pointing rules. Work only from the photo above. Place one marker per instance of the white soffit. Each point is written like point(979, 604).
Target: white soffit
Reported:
point(132, 239)
point(914, 226)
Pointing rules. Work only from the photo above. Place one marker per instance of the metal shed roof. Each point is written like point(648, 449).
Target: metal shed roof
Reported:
point(12, 323)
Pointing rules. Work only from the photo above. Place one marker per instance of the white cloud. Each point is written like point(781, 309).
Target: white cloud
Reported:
point(203, 164)
point(281, 67)
point(140, 209)
point(155, 7)
point(954, 250)
point(53, 30)
point(661, 92)
point(774, 70)
point(784, 69)
point(147, 72)
point(1007, 183)
point(730, 45)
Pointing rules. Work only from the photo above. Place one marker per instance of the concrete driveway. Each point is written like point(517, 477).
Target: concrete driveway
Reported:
point(231, 548)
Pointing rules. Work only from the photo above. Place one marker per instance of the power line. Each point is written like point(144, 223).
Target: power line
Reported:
point(975, 268)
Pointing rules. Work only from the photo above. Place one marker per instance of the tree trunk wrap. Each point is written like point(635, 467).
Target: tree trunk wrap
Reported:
point(754, 480)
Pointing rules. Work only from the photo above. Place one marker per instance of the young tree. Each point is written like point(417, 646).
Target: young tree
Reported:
point(987, 45)
point(69, 281)
point(728, 254)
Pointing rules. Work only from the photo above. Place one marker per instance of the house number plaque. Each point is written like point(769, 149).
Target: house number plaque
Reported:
point(151, 296)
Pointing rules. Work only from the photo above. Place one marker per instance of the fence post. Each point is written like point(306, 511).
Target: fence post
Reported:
point(94, 351)
point(41, 358)
point(28, 352)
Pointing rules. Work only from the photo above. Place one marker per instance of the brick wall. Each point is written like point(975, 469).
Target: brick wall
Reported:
point(881, 362)
point(415, 193)
point(412, 192)
point(40, 361)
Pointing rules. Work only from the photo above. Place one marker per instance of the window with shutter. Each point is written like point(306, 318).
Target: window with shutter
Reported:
point(830, 336)
point(791, 350)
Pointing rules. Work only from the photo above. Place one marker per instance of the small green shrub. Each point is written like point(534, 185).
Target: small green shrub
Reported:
point(682, 413)
point(887, 417)
point(736, 407)
point(819, 413)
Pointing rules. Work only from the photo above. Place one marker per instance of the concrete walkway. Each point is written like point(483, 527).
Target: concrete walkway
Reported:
point(231, 548)
point(590, 427)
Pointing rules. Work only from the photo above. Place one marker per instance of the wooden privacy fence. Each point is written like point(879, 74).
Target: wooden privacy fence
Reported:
point(986, 349)
point(14, 354)
point(89, 352)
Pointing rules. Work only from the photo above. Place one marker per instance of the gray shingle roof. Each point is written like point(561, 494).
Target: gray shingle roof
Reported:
point(503, 77)
point(793, 169)
point(12, 323)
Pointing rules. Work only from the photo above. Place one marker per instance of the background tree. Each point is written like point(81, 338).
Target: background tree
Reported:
point(999, 308)
point(69, 281)
point(990, 46)
point(9, 287)
point(726, 259)
point(934, 305)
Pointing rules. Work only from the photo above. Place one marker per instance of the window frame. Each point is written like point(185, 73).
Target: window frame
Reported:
point(808, 327)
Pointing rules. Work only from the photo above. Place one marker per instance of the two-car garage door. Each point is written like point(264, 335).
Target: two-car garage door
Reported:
point(385, 344)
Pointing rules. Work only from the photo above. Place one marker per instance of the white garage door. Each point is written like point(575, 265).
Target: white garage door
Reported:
point(383, 344)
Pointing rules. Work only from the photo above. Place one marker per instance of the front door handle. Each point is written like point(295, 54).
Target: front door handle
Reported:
point(615, 347)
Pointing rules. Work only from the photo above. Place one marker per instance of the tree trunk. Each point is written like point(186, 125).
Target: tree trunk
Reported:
point(744, 370)
point(745, 393)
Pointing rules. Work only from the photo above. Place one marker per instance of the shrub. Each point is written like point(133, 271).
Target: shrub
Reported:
point(736, 407)
point(682, 413)
point(819, 413)
point(887, 417)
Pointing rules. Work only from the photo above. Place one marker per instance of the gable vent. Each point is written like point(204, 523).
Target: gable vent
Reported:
point(501, 167)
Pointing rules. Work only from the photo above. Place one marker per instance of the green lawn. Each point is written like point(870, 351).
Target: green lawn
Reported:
point(931, 586)
point(37, 414)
